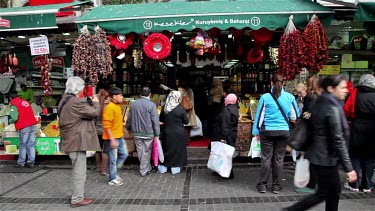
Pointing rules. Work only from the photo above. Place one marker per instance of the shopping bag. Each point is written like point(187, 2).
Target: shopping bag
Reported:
point(220, 159)
point(255, 150)
point(155, 153)
point(302, 173)
point(160, 151)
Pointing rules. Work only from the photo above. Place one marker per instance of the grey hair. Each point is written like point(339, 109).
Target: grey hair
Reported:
point(367, 80)
point(74, 85)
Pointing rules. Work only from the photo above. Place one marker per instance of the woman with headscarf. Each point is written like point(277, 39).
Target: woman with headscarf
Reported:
point(361, 144)
point(228, 123)
point(173, 117)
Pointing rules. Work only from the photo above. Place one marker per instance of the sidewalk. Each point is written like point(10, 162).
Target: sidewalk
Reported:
point(196, 188)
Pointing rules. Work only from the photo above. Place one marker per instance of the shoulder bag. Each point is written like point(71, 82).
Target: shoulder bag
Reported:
point(185, 102)
point(298, 139)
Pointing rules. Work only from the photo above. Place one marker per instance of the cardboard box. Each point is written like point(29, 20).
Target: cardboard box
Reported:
point(346, 57)
point(347, 64)
point(361, 64)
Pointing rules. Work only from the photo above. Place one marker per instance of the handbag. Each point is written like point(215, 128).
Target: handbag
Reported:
point(298, 139)
point(185, 102)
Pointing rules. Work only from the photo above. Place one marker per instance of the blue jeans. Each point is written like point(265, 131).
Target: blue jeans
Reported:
point(116, 157)
point(27, 145)
point(365, 163)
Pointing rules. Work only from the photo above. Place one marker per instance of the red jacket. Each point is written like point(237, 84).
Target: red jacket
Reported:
point(349, 107)
point(25, 113)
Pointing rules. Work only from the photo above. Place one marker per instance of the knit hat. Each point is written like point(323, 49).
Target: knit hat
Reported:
point(115, 91)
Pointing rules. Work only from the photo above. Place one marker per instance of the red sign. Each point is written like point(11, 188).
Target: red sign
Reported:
point(4, 22)
point(56, 61)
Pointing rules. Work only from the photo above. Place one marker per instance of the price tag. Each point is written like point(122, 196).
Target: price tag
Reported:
point(39, 45)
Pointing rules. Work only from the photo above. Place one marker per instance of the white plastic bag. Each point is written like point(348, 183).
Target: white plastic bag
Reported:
point(160, 151)
point(197, 130)
point(255, 150)
point(302, 173)
point(90, 154)
point(220, 159)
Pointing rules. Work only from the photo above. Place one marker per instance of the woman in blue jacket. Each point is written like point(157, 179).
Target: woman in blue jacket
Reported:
point(272, 129)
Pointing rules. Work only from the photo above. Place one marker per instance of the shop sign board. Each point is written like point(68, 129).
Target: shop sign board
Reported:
point(7, 75)
point(39, 46)
point(4, 22)
point(56, 61)
point(330, 70)
point(43, 146)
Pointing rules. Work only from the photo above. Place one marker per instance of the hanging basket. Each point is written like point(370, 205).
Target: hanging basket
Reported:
point(157, 46)
point(254, 55)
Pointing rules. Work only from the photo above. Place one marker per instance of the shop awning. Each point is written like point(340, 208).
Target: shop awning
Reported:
point(365, 10)
point(31, 18)
point(174, 16)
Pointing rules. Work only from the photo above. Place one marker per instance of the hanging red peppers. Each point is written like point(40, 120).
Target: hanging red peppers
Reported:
point(316, 45)
point(291, 52)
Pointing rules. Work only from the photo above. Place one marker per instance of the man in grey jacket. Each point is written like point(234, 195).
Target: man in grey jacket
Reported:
point(143, 122)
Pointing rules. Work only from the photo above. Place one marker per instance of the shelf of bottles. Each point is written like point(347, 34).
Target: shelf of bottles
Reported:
point(131, 79)
point(256, 78)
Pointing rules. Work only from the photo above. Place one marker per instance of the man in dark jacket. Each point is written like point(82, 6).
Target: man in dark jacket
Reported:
point(361, 144)
point(23, 117)
point(143, 122)
point(78, 134)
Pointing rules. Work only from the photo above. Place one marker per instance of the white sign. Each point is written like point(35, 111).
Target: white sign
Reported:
point(39, 45)
point(68, 72)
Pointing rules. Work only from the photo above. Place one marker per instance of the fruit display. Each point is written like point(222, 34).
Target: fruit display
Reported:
point(316, 45)
point(51, 130)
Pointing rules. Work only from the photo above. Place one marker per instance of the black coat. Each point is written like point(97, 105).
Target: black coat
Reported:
point(173, 137)
point(329, 136)
point(362, 139)
point(226, 125)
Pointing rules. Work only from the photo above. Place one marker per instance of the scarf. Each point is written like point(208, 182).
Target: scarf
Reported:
point(230, 99)
point(172, 101)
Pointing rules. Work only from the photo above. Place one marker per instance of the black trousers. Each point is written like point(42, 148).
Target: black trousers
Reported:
point(328, 190)
point(273, 145)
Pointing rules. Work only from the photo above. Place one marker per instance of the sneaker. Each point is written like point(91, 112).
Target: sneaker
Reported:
point(261, 188)
point(276, 189)
point(305, 190)
point(119, 178)
point(347, 186)
point(367, 190)
point(115, 182)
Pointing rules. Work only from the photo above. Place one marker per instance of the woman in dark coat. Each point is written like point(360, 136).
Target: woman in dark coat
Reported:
point(228, 123)
point(173, 118)
point(362, 144)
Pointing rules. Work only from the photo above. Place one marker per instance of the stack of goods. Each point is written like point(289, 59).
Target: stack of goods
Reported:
point(92, 55)
point(291, 52)
point(316, 45)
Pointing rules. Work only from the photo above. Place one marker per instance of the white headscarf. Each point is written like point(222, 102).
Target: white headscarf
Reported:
point(173, 100)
